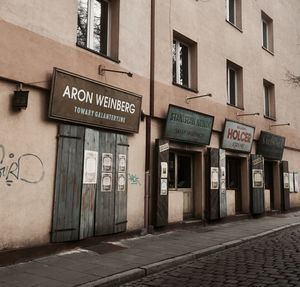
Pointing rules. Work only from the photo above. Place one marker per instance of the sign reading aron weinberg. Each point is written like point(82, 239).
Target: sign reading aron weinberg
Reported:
point(270, 146)
point(80, 100)
point(188, 126)
point(237, 137)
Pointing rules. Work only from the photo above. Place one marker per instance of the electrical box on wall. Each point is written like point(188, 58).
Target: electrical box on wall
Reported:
point(20, 100)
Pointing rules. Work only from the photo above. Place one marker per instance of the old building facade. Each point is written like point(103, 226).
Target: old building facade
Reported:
point(121, 115)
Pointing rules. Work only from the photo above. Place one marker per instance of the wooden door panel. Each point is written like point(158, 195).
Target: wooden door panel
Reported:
point(66, 208)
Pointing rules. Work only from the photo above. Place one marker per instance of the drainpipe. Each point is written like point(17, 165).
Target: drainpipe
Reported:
point(148, 227)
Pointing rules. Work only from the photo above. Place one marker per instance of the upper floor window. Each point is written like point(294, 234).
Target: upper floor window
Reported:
point(97, 26)
point(234, 85)
point(267, 32)
point(184, 57)
point(234, 12)
point(269, 100)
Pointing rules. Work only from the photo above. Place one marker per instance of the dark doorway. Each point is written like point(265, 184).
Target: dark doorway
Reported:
point(233, 180)
point(269, 181)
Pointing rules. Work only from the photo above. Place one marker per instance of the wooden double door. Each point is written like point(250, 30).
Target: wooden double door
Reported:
point(90, 184)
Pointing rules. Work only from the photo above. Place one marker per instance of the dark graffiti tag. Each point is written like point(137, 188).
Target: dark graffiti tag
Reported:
point(27, 167)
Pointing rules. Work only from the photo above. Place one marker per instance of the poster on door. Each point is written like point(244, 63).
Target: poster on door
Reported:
point(107, 162)
point(163, 186)
point(286, 180)
point(121, 181)
point(296, 183)
point(291, 176)
point(257, 178)
point(122, 163)
point(214, 178)
point(106, 182)
point(90, 167)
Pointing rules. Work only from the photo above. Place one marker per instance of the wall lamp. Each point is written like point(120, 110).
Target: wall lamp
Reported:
point(20, 98)
point(279, 125)
point(187, 99)
point(102, 70)
point(245, 115)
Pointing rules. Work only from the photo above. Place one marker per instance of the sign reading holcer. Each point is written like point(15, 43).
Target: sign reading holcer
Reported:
point(270, 146)
point(188, 126)
point(81, 100)
point(238, 137)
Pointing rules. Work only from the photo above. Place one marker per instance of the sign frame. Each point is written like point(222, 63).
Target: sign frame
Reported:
point(212, 118)
point(237, 150)
point(273, 156)
point(107, 113)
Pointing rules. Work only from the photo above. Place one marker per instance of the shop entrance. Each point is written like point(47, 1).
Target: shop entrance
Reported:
point(233, 180)
point(90, 184)
point(180, 179)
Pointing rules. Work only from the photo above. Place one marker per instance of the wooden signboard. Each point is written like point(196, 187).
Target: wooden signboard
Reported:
point(80, 100)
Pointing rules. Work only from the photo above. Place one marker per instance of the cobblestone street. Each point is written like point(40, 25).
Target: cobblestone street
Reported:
point(270, 261)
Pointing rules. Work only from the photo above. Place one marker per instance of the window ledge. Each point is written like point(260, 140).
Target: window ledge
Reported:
point(270, 118)
point(186, 88)
point(267, 50)
point(240, 108)
point(233, 25)
point(99, 54)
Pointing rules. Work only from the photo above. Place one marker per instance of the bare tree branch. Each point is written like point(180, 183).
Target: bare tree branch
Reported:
point(292, 78)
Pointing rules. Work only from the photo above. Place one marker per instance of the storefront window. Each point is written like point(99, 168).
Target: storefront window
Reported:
point(180, 171)
point(233, 172)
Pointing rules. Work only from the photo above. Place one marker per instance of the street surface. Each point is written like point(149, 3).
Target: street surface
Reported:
point(273, 260)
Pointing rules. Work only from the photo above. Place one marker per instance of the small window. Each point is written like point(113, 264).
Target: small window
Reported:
point(269, 100)
point(267, 32)
point(234, 12)
point(234, 85)
point(184, 60)
point(180, 171)
point(96, 26)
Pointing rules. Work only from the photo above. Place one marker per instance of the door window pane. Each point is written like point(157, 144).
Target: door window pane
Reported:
point(184, 172)
point(172, 170)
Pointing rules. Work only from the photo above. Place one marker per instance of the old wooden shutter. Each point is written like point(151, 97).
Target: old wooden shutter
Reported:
point(257, 184)
point(213, 206)
point(121, 183)
point(89, 185)
point(105, 198)
point(162, 193)
point(66, 209)
point(222, 188)
point(111, 197)
point(285, 187)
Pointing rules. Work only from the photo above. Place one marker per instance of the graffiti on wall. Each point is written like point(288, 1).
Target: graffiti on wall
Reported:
point(27, 167)
point(133, 179)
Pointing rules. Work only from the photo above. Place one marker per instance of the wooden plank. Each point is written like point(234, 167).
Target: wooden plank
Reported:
point(285, 190)
point(91, 143)
point(66, 209)
point(222, 188)
point(213, 212)
point(105, 199)
point(121, 183)
point(161, 196)
point(257, 197)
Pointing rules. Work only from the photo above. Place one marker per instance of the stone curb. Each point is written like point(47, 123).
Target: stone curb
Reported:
point(137, 273)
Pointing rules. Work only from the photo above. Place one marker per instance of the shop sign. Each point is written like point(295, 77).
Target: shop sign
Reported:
point(80, 100)
point(237, 136)
point(270, 146)
point(188, 126)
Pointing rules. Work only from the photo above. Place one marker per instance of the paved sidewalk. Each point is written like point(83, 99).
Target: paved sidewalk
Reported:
point(141, 255)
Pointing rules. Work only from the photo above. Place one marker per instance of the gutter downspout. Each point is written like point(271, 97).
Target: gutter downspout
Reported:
point(148, 227)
